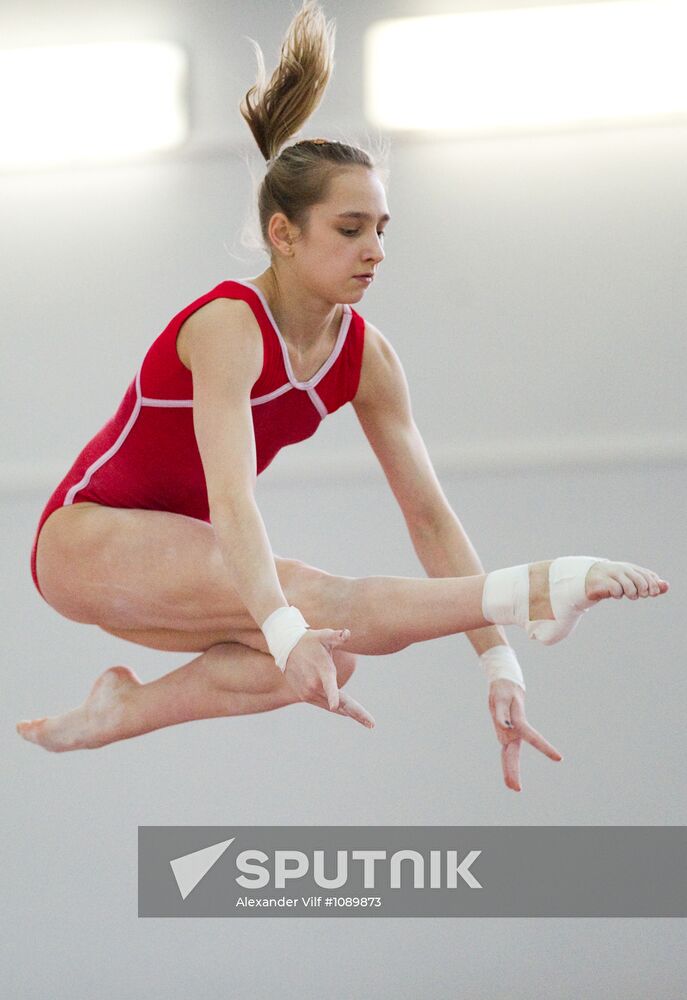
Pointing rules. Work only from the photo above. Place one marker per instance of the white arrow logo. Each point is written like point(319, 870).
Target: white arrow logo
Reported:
point(189, 869)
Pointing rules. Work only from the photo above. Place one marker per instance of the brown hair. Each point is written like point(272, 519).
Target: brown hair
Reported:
point(298, 176)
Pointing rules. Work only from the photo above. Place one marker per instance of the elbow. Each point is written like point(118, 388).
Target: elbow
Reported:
point(434, 519)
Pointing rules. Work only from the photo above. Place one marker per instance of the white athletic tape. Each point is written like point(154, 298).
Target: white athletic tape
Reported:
point(568, 597)
point(506, 597)
point(282, 630)
point(501, 663)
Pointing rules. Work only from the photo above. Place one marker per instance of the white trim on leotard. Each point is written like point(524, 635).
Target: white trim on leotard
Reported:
point(151, 401)
point(308, 386)
point(346, 317)
point(71, 493)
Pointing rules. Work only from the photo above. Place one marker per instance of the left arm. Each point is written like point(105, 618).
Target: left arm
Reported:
point(382, 405)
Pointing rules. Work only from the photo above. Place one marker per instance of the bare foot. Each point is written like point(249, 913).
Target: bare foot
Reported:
point(93, 724)
point(604, 579)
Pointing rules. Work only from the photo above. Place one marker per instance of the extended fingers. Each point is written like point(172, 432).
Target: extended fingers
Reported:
point(331, 690)
point(349, 706)
point(510, 761)
point(500, 706)
point(533, 737)
point(539, 742)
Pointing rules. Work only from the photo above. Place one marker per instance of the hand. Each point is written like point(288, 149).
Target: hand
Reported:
point(311, 672)
point(507, 704)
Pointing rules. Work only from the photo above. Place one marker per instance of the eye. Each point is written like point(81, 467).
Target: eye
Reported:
point(354, 232)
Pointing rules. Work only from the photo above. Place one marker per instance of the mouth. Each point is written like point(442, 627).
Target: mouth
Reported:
point(367, 278)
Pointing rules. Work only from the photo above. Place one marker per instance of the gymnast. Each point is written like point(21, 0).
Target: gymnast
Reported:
point(154, 534)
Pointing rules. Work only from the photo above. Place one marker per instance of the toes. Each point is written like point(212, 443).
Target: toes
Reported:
point(649, 580)
point(629, 579)
point(641, 582)
point(29, 729)
point(636, 581)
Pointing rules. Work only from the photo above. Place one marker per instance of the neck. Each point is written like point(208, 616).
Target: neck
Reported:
point(304, 319)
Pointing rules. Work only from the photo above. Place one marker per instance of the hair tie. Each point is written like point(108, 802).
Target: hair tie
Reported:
point(302, 142)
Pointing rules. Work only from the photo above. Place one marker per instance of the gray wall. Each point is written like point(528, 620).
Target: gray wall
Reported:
point(534, 290)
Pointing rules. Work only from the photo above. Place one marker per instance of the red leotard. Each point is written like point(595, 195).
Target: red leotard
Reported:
point(146, 455)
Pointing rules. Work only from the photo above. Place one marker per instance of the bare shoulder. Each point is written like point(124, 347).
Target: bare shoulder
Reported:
point(379, 359)
point(222, 323)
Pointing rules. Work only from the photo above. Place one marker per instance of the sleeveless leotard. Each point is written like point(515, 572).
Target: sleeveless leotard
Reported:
point(146, 455)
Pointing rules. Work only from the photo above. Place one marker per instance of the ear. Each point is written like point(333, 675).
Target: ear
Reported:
point(282, 234)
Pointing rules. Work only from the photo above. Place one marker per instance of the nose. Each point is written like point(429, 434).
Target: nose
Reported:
point(375, 251)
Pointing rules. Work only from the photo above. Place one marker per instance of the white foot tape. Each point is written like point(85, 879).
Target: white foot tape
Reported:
point(568, 598)
point(506, 597)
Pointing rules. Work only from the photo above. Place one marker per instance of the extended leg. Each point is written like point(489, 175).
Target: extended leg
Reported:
point(160, 579)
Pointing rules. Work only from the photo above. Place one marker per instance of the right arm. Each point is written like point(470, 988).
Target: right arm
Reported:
point(226, 354)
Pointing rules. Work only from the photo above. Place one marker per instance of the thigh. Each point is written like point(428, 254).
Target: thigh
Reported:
point(149, 571)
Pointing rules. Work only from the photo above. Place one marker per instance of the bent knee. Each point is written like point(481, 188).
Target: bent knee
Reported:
point(322, 597)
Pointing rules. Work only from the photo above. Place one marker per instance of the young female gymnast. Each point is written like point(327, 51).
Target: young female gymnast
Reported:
point(154, 534)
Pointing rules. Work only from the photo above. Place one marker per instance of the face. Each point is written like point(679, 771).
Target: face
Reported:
point(344, 237)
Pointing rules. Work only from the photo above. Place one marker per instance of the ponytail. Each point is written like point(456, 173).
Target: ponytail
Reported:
point(277, 109)
point(298, 176)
